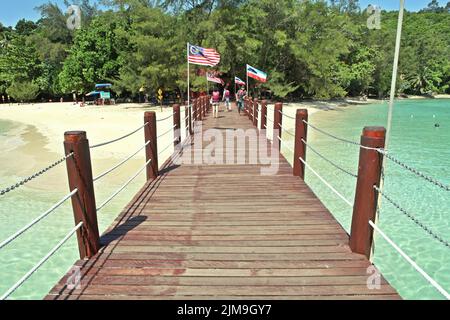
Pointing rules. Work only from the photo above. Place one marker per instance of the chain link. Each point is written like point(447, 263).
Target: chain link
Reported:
point(37, 174)
point(329, 161)
point(416, 172)
point(414, 219)
point(331, 135)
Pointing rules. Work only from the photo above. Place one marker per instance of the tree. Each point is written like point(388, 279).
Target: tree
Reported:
point(23, 91)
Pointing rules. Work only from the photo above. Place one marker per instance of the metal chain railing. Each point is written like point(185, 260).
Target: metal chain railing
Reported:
point(413, 218)
point(415, 171)
point(118, 139)
point(331, 135)
point(329, 161)
point(40, 263)
point(35, 175)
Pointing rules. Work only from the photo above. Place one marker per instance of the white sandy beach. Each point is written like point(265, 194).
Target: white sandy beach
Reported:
point(37, 139)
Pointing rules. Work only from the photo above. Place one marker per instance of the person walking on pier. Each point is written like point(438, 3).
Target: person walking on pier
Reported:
point(240, 99)
point(215, 99)
point(226, 98)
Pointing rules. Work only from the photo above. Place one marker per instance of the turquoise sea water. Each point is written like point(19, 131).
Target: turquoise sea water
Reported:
point(416, 141)
point(22, 156)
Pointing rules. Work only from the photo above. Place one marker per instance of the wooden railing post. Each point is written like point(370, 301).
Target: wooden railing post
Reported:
point(277, 122)
point(250, 108)
point(369, 174)
point(79, 172)
point(199, 108)
point(205, 106)
point(151, 150)
point(301, 132)
point(255, 112)
point(176, 125)
point(263, 115)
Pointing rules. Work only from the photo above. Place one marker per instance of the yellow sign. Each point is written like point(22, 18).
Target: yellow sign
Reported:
point(160, 94)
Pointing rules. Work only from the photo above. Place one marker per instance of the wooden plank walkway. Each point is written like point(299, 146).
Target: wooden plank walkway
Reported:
point(224, 232)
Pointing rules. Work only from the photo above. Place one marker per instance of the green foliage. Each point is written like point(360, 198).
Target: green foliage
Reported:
point(320, 49)
point(23, 91)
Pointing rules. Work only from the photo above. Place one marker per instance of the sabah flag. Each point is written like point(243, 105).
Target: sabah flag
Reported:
point(256, 74)
point(239, 81)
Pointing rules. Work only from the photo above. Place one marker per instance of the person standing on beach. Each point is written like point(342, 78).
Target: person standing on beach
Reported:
point(240, 99)
point(215, 99)
point(226, 98)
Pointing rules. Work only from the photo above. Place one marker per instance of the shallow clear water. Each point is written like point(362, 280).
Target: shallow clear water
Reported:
point(416, 141)
point(19, 207)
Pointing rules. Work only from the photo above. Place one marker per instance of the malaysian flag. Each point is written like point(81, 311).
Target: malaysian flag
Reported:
point(203, 56)
point(212, 78)
point(239, 81)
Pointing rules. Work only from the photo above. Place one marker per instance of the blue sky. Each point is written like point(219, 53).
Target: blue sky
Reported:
point(12, 11)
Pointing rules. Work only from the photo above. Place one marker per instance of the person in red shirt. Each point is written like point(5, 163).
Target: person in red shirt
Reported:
point(215, 99)
point(226, 98)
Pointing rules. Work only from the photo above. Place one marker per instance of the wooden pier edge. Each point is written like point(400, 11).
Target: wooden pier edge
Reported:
point(284, 244)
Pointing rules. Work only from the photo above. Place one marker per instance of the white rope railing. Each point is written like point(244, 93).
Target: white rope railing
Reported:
point(166, 118)
point(36, 220)
point(411, 262)
point(123, 186)
point(286, 115)
point(40, 263)
point(120, 163)
point(163, 134)
point(327, 184)
point(118, 139)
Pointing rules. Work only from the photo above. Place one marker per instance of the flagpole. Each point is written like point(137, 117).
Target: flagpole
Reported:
point(188, 86)
point(391, 105)
point(235, 87)
point(246, 71)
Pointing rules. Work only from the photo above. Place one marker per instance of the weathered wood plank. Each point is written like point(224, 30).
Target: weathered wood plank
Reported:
point(224, 231)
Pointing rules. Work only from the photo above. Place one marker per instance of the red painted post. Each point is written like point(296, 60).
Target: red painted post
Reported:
point(277, 123)
point(301, 133)
point(255, 112)
point(250, 108)
point(176, 125)
point(204, 106)
point(194, 109)
point(79, 172)
point(263, 115)
point(365, 205)
point(199, 108)
point(151, 150)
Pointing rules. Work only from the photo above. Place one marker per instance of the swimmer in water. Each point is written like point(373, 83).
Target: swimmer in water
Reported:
point(436, 125)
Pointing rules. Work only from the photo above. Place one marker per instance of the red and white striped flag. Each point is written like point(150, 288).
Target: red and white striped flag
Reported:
point(212, 78)
point(203, 56)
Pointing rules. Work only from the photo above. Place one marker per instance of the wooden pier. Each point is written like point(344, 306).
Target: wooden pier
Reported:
point(224, 231)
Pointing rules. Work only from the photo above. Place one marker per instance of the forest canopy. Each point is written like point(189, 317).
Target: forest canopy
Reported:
point(310, 49)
